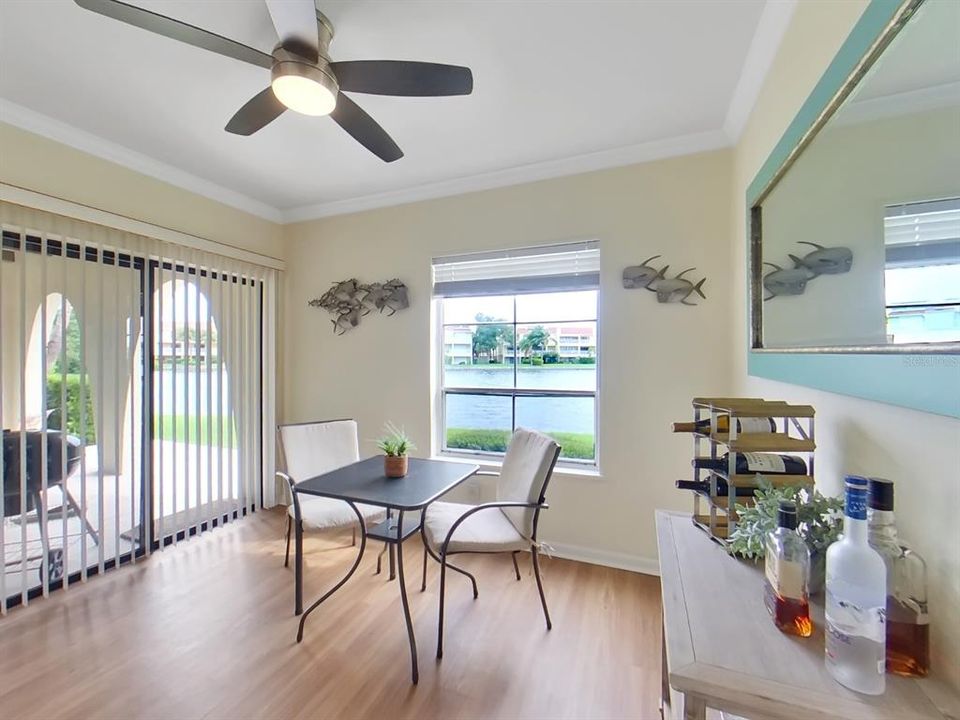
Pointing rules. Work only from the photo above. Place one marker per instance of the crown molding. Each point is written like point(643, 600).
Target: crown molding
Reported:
point(616, 157)
point(920, 100)
point(774, 20)
point(39, 124)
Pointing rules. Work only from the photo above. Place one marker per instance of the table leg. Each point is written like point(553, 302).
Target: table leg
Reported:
point(391, 554)
point(406, 606)
point(353, 569)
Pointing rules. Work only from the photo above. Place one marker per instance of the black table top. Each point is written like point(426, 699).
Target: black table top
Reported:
point(365, 482)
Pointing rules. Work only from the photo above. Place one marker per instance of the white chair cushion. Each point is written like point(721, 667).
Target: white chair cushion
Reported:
point(485, 531)
point(526, 467)
point(319, 513)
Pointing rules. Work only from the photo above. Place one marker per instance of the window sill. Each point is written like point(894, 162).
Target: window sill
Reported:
point(492, 463)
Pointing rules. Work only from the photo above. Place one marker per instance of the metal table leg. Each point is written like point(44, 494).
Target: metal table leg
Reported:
point(406, 605)
point(331, 591)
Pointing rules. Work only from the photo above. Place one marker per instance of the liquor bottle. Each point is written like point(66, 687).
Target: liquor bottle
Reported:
point(703, 487)
point(856, 590)
point(787, 573)
point(908, 628)
point(744, 425)
point(751, 463)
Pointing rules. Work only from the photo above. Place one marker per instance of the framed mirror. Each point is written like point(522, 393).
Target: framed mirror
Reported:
point(855, 218)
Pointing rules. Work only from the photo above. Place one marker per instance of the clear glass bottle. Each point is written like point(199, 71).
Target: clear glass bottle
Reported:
point(787, 573)
point(908, 628)
point(856, 598)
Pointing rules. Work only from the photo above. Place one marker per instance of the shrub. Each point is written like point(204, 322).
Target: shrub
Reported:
point(538, 361)
point(587, 361)
point(72, 424)
point(577, 446)
point(551, 358)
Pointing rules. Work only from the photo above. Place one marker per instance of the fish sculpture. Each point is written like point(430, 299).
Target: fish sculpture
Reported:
point(790, 281)
point(678, 289)
point(824, 260)
point(349, 300)
point(642, 275)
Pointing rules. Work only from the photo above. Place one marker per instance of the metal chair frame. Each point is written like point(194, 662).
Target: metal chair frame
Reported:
point(444, 553)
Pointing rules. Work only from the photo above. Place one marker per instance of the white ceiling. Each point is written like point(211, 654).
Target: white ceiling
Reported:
point(559, 87)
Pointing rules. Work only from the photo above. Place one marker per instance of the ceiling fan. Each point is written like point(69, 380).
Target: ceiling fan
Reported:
point(302, 76)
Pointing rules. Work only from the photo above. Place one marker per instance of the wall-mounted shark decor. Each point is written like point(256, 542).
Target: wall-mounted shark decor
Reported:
point(350, 300)
point(642, 275)
point(780, 281)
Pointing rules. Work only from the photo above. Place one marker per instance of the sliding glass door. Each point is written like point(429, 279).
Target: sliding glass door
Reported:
point(132, 404)
point(72, 403)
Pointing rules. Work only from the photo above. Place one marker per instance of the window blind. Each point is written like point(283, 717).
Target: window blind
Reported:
point(926, 233)
point(547, 268)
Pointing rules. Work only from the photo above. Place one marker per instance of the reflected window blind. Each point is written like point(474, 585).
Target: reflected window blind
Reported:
point(924, 233)
point(548, 268)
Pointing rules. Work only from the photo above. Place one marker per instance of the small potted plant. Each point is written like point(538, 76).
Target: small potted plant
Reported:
point(395, 445)
point(820, 521)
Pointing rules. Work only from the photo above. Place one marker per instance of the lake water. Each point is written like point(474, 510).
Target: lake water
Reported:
point(462, 411)
point(549, 414)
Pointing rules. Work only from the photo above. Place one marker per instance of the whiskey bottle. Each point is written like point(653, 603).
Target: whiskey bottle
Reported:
point(908, 628)
point(787, 573)
point(744, 425)
point(855, 608)
point(752, 463)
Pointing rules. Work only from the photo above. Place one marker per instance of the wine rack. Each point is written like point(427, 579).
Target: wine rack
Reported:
point(794, 434)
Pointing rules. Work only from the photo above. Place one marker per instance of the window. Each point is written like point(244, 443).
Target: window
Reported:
point(518, 348)
point(922, 278)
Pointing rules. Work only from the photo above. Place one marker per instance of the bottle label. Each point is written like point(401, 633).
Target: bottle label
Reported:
point(854, 635)
point(785, 577)
point(856, 502)
point(754, 425)
point(764, 462)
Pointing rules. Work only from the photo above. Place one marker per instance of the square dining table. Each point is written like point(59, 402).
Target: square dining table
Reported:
point(365, 482)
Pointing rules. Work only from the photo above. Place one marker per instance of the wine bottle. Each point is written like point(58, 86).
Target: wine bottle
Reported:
point(908, 624)
point(855, 609)
point(751, 463)
point(744, 425)
point(703, 487)
point(787, 573)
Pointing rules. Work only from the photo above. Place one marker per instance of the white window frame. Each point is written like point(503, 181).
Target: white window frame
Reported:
point(488, 457)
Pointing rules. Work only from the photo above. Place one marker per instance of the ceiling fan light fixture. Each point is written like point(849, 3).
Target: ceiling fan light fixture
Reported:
point(304, 88)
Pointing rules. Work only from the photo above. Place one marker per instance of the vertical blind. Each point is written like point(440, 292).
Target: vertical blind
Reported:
point(136, 395)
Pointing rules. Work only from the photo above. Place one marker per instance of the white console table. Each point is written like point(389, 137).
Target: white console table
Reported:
point(722, 651)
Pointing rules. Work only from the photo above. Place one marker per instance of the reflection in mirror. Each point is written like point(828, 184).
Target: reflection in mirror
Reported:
point(861, 234)
point(922, 276)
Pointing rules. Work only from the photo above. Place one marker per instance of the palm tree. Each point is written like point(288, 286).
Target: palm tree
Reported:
point(535, 340)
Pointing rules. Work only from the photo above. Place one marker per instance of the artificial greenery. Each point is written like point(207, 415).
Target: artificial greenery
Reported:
point(395, 443)
point(819, 519)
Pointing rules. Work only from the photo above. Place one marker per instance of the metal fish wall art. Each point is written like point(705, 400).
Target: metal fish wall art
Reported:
point(349, 300)
point(642, 275)
point(679, 289)
point(824, 260)
point(780, 281)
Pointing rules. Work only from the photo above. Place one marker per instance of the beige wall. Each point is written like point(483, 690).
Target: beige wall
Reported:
point(36, 163)
point(920, 451)
point(653, 358)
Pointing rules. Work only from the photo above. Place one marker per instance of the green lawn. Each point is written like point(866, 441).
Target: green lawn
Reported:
point(181, 428)
point(577, 446)
point(523, 366)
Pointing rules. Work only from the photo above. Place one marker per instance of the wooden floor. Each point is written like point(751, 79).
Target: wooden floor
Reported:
point(206, 630)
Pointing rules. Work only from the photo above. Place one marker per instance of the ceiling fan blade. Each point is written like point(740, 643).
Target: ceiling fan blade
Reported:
point(364, 129)
point(296, 24)
point(258, 112)
point(176, 30)
point(403, 77)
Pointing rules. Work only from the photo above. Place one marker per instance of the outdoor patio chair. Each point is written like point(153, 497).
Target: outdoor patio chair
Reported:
point(508, 525)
